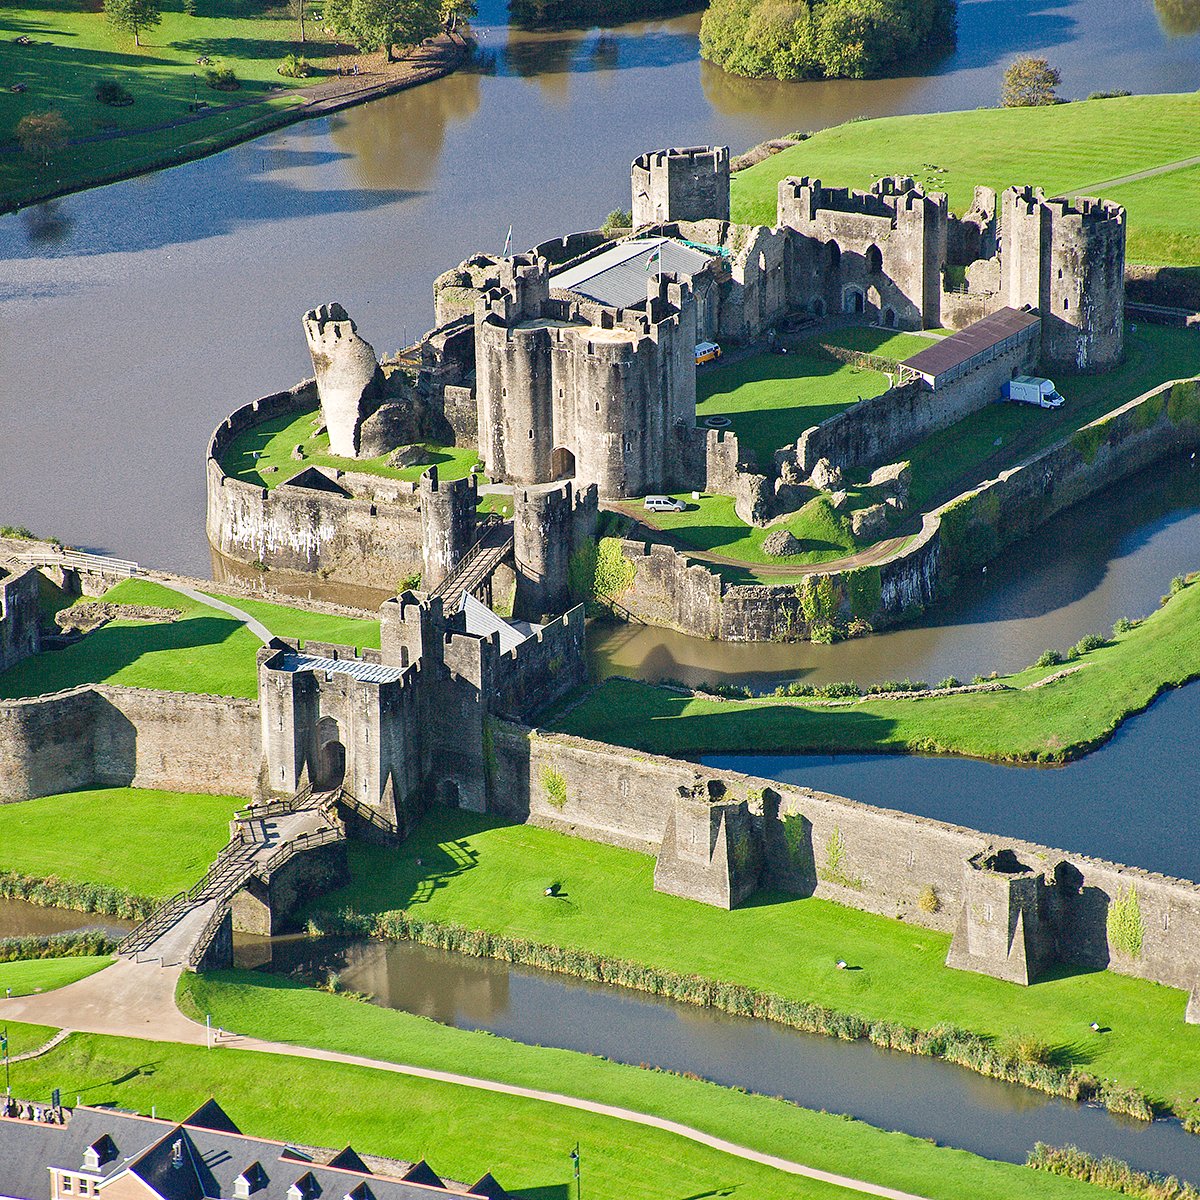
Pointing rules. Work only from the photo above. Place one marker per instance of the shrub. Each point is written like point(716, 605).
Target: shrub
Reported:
point(1109, 95)
point(928, 901)
point(1027, 1049)
point(1123, 625)
point(410, 582)
point(113, 94)
point(1107, 1172)
point(189, 7)
point(616, 221)
point(1126, 928)
point(222, 79)
point(17, 531)
point(555, 787)
point(1048, 658)
point(83, 943)
point(294, 67)
point(950, 682)
point(1089, 641)
point(40, 134)
point(1178, 584)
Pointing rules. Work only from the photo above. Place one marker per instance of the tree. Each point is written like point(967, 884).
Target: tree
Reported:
point(132, 16)
point(456, 12)
point(1179, 18)
point(42, 133)
point(371, 24)
point(1029, 82)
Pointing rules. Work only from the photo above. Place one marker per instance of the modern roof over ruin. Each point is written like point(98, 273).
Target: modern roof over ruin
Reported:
point(961, 352)
point(481, 621)
point(617, 277)
point(368, 672)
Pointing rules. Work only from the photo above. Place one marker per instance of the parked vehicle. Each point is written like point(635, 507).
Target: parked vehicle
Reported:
point(664, 504)
point(1028, 389)
point(707, 352)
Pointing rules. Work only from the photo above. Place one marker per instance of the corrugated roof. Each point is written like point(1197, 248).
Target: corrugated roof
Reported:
point(961, 347)
point(618, 276)
point(481, 621)
point(366, 671)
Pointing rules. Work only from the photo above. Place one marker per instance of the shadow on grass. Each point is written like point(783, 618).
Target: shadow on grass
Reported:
point(550, 1191)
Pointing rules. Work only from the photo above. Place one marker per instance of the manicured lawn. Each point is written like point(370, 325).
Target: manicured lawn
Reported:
point(463, 1132)
point(284, 621)
point(711, 524)
point(27, 976)
point(148, 843)
point(204, 651)
point(1048, 723)
point(1064, 148)
point(966, 453)
point(74, 48)
point(471, 870)
point(283, 1010)
point(273, 442)
point(885, 343)
point(771, 399)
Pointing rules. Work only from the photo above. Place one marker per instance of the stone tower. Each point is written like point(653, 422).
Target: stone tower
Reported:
point(691, 184)
point(1066, 258)
point(348, 375)
point(550, 523)
point(448, 513)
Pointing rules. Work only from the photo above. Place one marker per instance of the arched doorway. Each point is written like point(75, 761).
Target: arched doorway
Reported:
point(853, 300)
point(835, 256)
point(562, 463)
point(818, 308)
point(889, 318)
point(874, 260)
point(331, 755)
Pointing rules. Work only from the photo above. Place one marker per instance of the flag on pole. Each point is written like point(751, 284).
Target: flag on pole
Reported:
point(508, 243)
point(655, 260)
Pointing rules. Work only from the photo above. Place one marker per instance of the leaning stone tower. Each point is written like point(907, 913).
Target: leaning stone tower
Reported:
point(681, 185)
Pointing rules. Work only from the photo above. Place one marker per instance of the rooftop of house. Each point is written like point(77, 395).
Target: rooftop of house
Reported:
point(205, 1157)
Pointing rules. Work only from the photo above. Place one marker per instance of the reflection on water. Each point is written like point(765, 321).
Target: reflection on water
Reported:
point(1112, 556)
point(888, 1089)
point(1180, 18)
point(19, 918)
point(1149, 769)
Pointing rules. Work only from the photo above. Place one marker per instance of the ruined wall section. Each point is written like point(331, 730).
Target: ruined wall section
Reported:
point(20, 619)
point(104, 736)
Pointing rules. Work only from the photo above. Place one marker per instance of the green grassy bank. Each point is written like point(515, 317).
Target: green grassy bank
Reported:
point(204, 650)
point(138, 841)
point(1065, 148)
point(26, 977)
point(476, 872)
point(1052, 723)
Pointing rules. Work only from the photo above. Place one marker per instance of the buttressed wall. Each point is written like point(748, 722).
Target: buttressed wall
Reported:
point(689, 184)
point(568, 388)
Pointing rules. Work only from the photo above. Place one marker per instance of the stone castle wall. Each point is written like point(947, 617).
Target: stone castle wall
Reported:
point(361, 529)
point(872, 859)
point(20, 620)
point(104, 736)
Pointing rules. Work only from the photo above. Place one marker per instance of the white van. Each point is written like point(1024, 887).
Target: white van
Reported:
point(664, 504)
point(1028, 389)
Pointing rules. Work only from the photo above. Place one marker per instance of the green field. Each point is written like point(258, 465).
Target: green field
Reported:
point(74, 48)
point(771, 399)
point(1044, 724)
point(144, 842)
point(883, 343)
point(1066, 148)
point(273, 441)
point(473, 871)
point(204, 651)
point(27, 976)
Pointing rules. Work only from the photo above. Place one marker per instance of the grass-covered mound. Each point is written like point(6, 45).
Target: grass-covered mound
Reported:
point(1064, 148)
point(825, 39)
point(473, 871)
point(44, 975)
point(139, 841)
point(204, 650)
point(262, 454)
point(1051, 723)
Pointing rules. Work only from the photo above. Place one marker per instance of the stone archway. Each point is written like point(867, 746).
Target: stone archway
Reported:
point(889, 318)
point(331, 755)
point(562, 463)
point(853, 301)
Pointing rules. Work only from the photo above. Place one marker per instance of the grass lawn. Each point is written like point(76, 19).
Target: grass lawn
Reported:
point(771, 399)
point(463, 1132)
point(283, 1010)
point(274, 440)
point(1063, 148)
point(27, 976)
point(148, 843)
point(479, 873)
point(966, 452)
point(1050, 723)
point(204, 651)
point(710, 524)
point(884, 343)
point(284, 621)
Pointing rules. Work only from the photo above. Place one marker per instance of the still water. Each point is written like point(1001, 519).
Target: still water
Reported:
point(1112, 556)
point(19, 918)
point(887, 1089)
point(136, 316)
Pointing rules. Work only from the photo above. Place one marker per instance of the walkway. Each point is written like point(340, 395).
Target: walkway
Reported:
point(1087, 189)
point(255, 626)
point(136, 1000)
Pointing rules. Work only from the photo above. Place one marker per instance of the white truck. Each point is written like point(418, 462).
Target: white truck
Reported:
point(1028, 389)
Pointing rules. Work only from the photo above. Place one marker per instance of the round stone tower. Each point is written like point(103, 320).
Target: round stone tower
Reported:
point(448, 513)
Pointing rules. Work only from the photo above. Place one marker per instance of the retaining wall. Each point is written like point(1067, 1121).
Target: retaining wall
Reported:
point(884, 860)
point(104, 736)
point(364, 530)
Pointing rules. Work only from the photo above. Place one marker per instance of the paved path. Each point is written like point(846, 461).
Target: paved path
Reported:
point(132, 999)
point(256, 627)
point(1166, 168)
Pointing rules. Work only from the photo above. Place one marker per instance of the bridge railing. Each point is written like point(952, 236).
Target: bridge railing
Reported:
point(205, 937)
point(146, 930)
point(366, 813)
point(99, 564)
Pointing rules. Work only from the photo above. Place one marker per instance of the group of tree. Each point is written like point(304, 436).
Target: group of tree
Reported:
point(831, 39)
point(393, 25)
